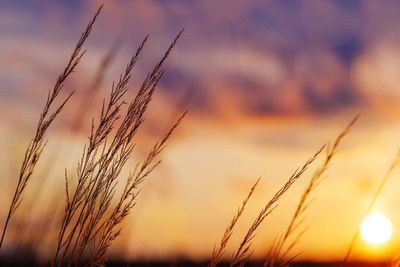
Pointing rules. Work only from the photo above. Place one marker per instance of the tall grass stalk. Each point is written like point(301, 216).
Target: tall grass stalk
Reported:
point(281, 249)
point(218, 252)
point(37, 144)
point(243, 253)
point(86, 220)
point(109, 229)
point(39, 229)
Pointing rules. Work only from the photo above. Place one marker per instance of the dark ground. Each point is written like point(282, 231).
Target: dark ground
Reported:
point(177, 263)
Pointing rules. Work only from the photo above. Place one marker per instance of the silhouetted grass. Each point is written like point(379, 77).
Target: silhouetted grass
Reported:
point(46, 118)
point(219, 250)
point(86, 220)
point(243, 252)
point(279, 253)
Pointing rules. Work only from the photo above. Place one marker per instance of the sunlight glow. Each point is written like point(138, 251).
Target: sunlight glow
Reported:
point(376, 229)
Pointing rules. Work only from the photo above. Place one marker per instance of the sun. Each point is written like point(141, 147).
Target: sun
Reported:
point(376, 229)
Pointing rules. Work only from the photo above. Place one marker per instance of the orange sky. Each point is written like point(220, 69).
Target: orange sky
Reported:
point(266, 82)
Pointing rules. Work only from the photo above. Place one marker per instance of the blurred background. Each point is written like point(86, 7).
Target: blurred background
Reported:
point(267, 83)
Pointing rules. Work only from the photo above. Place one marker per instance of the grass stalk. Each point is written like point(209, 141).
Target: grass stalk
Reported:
point(218, 252)
point(281, 248)
point(86, 220)
point(244, 251)
point(37, 144)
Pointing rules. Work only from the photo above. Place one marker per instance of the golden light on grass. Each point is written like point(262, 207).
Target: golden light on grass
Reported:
point(376, 229)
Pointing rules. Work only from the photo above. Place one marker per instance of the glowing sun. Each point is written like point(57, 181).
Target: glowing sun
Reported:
point(376, 229)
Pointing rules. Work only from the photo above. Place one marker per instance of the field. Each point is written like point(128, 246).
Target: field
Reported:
point(177, 133)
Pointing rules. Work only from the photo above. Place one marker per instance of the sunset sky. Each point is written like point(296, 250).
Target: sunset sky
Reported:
point(267, 83)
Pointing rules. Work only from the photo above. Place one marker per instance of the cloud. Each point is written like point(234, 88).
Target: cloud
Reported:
point(278, 58)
